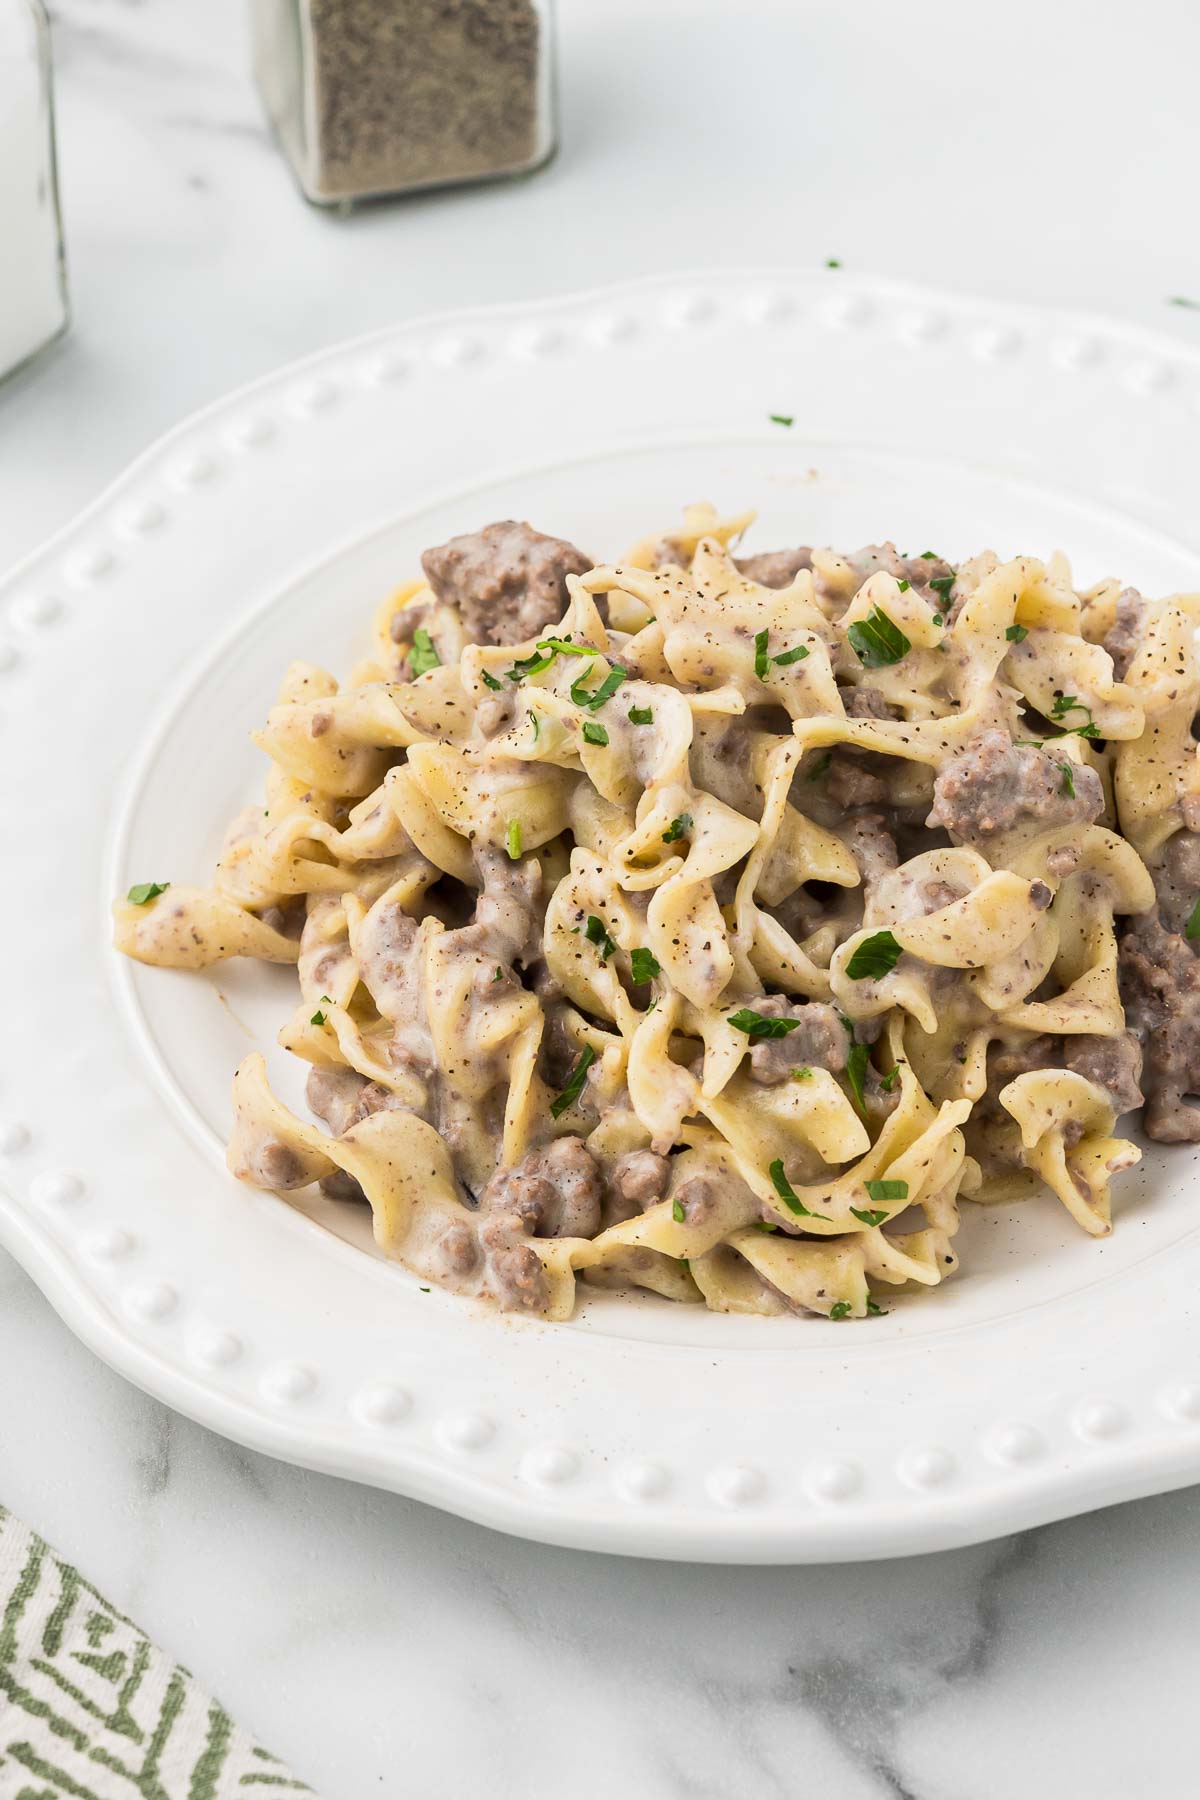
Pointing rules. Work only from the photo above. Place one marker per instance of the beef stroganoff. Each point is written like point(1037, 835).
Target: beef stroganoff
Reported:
point(715, 924)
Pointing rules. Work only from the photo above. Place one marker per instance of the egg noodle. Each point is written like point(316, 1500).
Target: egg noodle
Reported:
point(713, 926)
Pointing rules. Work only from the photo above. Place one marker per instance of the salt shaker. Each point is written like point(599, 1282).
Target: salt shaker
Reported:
point(33, 287)
point(376, 97)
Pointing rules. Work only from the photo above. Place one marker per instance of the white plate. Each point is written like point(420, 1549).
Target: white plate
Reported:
point(1054, 1374)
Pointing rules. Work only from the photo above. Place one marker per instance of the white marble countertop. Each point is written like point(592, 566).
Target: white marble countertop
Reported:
point(1032, 151)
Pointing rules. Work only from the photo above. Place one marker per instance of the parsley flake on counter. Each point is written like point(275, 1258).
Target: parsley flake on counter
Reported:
point(887, 1190)
point(678, 828)
point(423, 656)
point(782, 418)
point(877, 641)
point(788, 1194)
point(756, 1026)
point(593, 733)
point(596, 934)
point(1184, 300)
point(874, 958)
point(574, 1087)
point(833, 262)
point(1016, 634)
point(644, 965)
point(512, 839)
point(145, 891)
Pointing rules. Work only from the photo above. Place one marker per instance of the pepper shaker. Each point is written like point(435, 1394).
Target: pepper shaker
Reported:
point(377, 97)
point(33, 287)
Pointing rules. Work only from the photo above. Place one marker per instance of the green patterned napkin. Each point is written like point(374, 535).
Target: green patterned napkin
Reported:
point(90, 1709)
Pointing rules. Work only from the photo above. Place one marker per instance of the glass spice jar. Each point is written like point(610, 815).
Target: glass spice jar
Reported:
point(33, 284)
point(377, 97)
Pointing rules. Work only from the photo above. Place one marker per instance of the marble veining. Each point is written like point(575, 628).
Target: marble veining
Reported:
point(378, 1645)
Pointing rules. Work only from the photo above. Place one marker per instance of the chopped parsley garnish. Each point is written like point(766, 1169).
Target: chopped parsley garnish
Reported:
point(782, 418)
point(145, 891)
point(856, 1073)
point(512, 839)
point(941, 584)
point(593, 733)
point(937, 619)
point(499, 975)
point(904, 586)
point(874, 1308)
point(596, 934)
point(874, 958)
point(890, 1079)
point(564, 647)
point(841, 1309)
point(887, 1190)
point(819, 767)
point(765, 1225)
point(529, 665)
point(423, 656)
point(490, 681)
point(574, 1087)
point(1016, 634)
point(868, 1217)
point(1184, 300)
point(537, 726)
point(876, 641)
point(318, 1017)
point(791, 656)
point(1192, 928)
point(677, 1212)
point(761, 659)
point(605, 691)
point(928, 556)
point(756, 1026)
point(804, 1074)
point(788, 1195)
point(643, 965)
point(1068, 780)
point(678, 827)
point(641, 715)
point(833, 262)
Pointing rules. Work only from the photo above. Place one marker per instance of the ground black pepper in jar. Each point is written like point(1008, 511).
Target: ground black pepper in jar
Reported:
point(375, 97)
